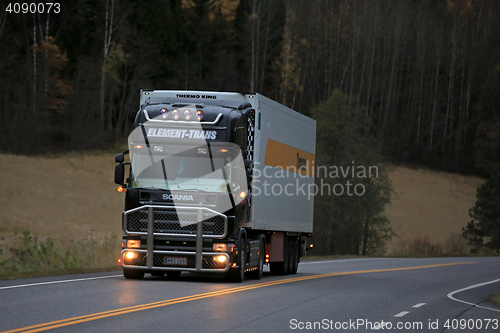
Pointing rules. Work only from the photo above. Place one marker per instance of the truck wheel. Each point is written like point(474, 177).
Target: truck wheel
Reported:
point(257, 274)
point(238, 275)
point(296, 249)
point(174, 274)
point(158, 273)
point(133, 274)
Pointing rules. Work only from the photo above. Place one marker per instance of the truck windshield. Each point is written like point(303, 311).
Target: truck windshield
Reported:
point(182, 172)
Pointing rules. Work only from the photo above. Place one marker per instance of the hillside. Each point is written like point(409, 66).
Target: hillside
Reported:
point(64, 196)
point(429, 204)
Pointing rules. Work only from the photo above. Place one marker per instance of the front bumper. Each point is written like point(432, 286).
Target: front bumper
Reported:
point(161, 221)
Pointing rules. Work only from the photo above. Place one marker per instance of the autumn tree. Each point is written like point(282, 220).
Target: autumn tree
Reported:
point(58, 90)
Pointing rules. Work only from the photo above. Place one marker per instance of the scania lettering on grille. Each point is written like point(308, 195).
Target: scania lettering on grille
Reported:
point(181, 133)
point(184, 197)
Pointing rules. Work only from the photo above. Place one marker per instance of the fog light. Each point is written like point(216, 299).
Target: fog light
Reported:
point(220, 259)
point(133, 244)
point(130, 255)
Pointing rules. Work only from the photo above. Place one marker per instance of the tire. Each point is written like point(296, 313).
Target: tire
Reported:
point(238, 275)
point(133, 274)
point(296, 249)
point(257, 274)
point(174, 274)
point(158, 274)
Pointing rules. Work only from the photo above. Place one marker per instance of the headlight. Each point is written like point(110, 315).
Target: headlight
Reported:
point(133, 244)
point(176, 114)
point(187, 114)
point(218, 247)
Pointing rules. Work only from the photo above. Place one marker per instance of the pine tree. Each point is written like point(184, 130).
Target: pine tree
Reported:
point(484, 228)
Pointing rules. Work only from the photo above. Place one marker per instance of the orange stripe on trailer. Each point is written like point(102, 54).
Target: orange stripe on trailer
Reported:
point(289, 158)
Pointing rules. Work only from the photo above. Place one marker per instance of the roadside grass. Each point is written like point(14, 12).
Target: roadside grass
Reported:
point(494, 299)
point(30, 256)
point(423, 246)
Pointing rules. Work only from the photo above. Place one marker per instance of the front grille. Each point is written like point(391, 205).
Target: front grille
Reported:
point(180, 221)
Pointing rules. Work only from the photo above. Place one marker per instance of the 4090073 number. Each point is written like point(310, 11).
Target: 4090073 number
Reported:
point(33, 8)
point(471, 324)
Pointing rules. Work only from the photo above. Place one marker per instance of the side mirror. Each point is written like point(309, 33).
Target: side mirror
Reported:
point(119, 158)
point(119, 173)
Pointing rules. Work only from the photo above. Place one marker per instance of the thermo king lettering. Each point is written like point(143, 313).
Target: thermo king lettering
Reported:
point(196, 96)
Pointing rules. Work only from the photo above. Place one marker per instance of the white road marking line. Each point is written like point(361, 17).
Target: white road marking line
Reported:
point(450, 295)
point(402, 313)
point(339, 260)
point(60, 281)
point(418, 305)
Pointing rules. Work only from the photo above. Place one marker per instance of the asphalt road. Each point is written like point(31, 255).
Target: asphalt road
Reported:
point(357, 295)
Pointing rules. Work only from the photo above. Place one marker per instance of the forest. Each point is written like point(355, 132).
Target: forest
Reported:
point(426, 73)
point(413, 82)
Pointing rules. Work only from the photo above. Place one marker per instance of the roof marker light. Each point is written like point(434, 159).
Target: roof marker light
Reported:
point(200, 114)
point(176, 114)
point(187, 114)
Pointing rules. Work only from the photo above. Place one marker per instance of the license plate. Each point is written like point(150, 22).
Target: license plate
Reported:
point(175, 261)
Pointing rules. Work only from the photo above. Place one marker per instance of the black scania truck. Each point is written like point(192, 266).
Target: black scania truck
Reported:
point(217, 182)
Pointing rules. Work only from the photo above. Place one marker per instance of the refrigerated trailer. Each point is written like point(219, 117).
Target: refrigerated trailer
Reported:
point(217, 182)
